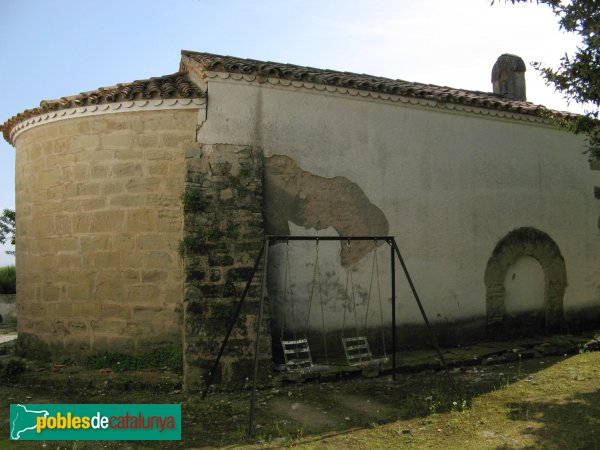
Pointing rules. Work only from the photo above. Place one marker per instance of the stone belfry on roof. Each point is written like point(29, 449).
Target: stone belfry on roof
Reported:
point(508, 77)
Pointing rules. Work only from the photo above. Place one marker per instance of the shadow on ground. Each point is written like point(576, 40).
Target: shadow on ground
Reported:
point(289, 413)
point(571, 424)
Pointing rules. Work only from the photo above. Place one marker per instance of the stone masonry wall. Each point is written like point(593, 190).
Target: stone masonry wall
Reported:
point(98, 223)
point(223, 235)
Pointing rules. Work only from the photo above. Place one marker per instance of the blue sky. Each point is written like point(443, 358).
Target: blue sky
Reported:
point(49, 49)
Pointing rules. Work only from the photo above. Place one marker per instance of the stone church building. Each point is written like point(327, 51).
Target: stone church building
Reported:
point(141, 208)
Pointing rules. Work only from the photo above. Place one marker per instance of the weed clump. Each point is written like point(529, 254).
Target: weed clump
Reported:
point(154, 359)
point(14, 368)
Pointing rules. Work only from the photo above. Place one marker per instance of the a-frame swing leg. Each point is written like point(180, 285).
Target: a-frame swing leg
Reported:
point(434, 340)
point(211, 374)
point(393, 268)
point(256, 351)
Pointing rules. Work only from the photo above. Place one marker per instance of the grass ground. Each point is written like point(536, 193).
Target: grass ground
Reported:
point(548, 403)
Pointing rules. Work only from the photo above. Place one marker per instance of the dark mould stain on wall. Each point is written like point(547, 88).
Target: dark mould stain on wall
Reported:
point(311, 201)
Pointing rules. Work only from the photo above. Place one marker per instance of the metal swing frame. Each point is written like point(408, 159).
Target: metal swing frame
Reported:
point(263, 255)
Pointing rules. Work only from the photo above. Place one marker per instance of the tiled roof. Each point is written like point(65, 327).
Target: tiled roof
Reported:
point(229, 64)
point(177, 85)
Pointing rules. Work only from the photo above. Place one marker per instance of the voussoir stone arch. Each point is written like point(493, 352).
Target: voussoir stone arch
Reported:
point(521, 242)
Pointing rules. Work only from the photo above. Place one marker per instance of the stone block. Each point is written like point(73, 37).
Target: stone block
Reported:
point(151, 242)
point(70, 205)
point(50, 293)
point(87, 188)
point(148, 139)
point(56, 192)
point(123, 242)
point(175, 140)
point(69, 260)
point(83, 141)
point(159, 168)
point(155, 122)
point(173, 295)
point(98, 155)
point(145, 184)
point(220, 259)
point(116, 310)
point(81, 223)
point(157, 260)
point(108, 259)
point(164, 200)
point(62, 224)
point(193, 151)
point(130, 153)
point(108, 326)
point(159, 154)
point(144, 328)
point(43, 327)
point(108, 275)
point(87, 310)
point(199, 166)
point(149, 313)
point(127, 169)
point(77, 326)
point(99, 171)
point(35, 309)
point(66, 244)
point(194, 275)
point(131, 259)
point(130, 276)
point(169, 221)
point(80, 172)
point(126, 200)
point(79, 292)
point(92, 204)
point(95, 243)
point(108, 221)
point(119, 139)
point(153, 276)
point(110, 292)
point(141, 220)
point(239, 273)
point(143, 294)
point(112, 187)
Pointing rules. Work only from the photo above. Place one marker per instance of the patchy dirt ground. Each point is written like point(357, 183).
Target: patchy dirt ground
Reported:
point(541, 402)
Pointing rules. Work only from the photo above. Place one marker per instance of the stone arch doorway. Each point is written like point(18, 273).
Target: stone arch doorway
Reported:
point(520, 243)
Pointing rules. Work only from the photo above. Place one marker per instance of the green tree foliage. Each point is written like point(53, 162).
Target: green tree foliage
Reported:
point(7, 228)
point(578, 75)
point(8, 280)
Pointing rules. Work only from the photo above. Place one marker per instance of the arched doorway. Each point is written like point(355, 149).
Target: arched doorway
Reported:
point(516, 299)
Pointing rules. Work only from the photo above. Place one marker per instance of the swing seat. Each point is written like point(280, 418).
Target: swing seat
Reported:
point(357, 350)
point(297, 354)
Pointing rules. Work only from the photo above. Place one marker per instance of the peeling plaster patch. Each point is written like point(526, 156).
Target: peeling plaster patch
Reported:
point(308, 200)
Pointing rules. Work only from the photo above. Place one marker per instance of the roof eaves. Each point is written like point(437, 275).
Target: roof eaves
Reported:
point(176, 85)
point(366, 82)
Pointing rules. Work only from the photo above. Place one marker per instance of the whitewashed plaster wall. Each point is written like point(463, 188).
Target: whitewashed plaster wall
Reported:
point(451, 184)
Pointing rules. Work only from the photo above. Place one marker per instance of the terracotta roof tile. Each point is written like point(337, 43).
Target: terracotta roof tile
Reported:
point(176, 85)
point(217, 63)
